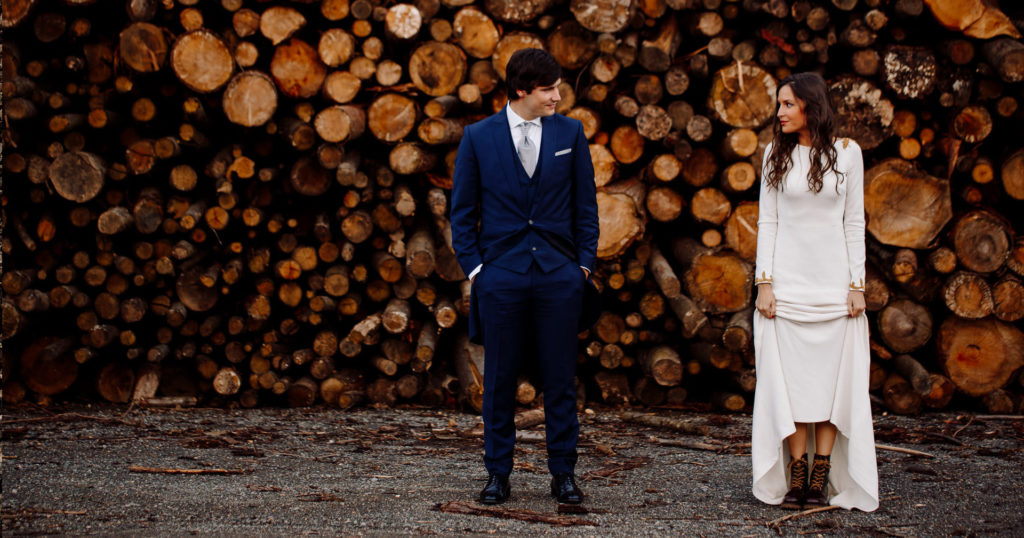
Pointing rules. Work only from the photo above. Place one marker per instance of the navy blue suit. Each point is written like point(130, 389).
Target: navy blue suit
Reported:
point(531, 234)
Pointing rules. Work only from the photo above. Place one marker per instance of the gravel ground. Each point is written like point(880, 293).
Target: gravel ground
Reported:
point(68, 470)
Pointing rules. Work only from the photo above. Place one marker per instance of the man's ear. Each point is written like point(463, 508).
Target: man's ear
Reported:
point(520, 94)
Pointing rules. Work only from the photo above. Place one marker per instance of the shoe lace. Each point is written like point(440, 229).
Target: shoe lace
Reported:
point(798, 474)
point(819, 474)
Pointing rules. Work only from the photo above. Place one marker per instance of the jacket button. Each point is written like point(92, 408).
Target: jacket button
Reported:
point(530, 222)
point(534, 248)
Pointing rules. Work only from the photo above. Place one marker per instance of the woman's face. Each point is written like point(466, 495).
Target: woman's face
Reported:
point(791, 112)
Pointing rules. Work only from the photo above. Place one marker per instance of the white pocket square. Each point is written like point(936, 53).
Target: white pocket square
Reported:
point(563, 152)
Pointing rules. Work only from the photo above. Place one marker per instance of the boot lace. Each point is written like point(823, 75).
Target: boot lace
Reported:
point(798, 473)
point(819, 475)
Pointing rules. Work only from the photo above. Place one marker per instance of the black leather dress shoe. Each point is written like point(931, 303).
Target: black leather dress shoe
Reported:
point(564, 488)
point(497, 489)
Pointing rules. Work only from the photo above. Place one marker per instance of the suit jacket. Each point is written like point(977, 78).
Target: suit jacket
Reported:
point(493, 212)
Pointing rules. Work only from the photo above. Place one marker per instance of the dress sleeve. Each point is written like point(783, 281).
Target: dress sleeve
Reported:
point(767, 225)
point(853, 215)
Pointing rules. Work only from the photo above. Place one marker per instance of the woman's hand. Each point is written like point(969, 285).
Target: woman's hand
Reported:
point(855, 303)
point(765, 302)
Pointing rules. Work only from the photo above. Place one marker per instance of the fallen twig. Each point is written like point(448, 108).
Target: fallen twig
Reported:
point(319, 497)
point(319, 459)
point(964, 427)
point(257, 487)
point(530, 437)
point(606, 450)
point(171, 401)
point(529, 419)
point(460, 507)
point(70, 415)
point(683, 443)
point(612, 470)
point(129, 410)
point(682, 425)
point(31, 511)
point(776, 522)
point(138, 469)
point(944, 437)
point(521, 436)
point(910, 451)
point(998, 417)
point(698, 445)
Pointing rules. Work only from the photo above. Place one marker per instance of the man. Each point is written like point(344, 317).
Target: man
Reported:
point(524, 228)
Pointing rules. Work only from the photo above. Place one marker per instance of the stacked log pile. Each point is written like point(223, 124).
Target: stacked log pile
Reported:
point(245, 202)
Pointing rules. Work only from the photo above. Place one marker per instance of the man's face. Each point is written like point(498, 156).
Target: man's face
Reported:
point(541, 101)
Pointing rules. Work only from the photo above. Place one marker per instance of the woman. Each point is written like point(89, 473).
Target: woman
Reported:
point(810, 332)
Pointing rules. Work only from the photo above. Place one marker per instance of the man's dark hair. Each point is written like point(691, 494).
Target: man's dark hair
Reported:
point(528, 69)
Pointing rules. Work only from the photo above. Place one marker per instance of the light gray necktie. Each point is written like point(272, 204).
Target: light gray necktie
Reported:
point(527, 150)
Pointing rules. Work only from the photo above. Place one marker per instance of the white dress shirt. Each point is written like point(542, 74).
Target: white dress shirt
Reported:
point(514, 121)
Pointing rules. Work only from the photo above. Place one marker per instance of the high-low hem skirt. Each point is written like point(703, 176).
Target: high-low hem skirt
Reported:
point(813, 365)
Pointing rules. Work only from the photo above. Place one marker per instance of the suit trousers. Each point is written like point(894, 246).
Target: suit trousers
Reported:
point(515, 306)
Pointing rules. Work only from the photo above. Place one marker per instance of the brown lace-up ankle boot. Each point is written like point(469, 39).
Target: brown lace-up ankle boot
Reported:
point(794, 499)
point(817, 489)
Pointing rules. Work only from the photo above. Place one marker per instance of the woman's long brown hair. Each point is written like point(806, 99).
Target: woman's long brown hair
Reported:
point(812, 90)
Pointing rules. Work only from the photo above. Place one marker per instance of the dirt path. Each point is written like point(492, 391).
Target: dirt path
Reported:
point(89, 470)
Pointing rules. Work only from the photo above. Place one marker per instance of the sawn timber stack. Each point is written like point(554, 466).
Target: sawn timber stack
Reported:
point(246, 202)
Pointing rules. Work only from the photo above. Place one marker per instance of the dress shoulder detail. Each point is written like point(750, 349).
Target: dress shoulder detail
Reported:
point(847, 145)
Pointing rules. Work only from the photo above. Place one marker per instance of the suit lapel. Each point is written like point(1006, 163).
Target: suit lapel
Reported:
point(548, 140)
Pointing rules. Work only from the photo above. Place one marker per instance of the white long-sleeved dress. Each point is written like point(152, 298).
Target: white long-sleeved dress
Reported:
point(812, 358)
